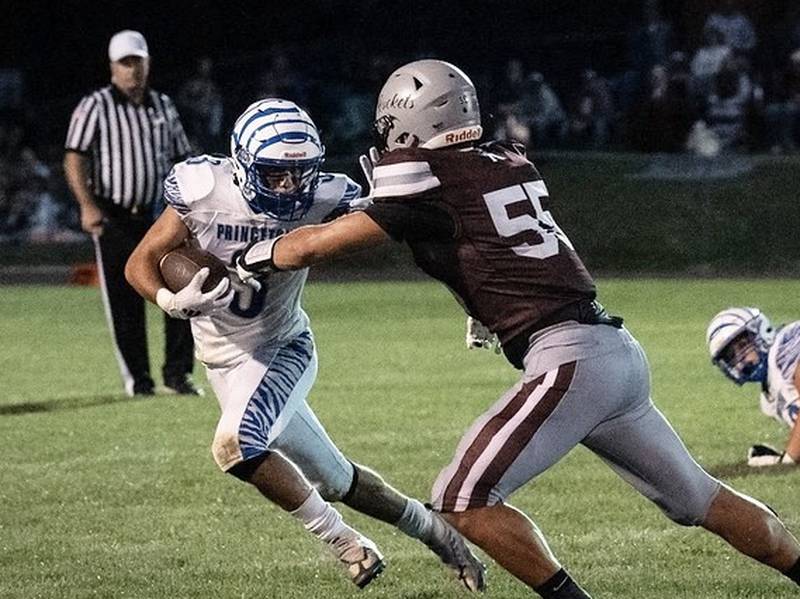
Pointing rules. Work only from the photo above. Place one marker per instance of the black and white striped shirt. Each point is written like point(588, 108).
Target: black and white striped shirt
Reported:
point(132, 146)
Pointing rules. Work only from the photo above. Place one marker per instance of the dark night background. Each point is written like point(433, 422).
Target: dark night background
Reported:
point(335, 56)
point(61, 46)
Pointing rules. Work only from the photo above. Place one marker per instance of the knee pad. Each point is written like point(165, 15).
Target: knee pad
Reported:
point(226, 450)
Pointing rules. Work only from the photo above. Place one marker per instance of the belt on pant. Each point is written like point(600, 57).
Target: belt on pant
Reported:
point(583, 311)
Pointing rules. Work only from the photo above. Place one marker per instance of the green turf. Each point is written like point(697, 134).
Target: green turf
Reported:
point(102, 496)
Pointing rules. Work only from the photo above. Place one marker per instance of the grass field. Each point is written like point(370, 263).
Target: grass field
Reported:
point(104, 496)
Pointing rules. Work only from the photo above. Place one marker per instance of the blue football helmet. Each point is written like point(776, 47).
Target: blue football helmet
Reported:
point(277, 154)
point(739, 340)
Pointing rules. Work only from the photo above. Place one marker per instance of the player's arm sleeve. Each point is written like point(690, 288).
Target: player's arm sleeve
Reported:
point(181, 148)
point(173, 197)
point(412, 221)
point(82, 125)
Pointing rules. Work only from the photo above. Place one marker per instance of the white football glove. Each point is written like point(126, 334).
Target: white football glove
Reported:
point(256, 261)
point(479, 336)
point(191, 301)
point(759, 456)
point(367, 162)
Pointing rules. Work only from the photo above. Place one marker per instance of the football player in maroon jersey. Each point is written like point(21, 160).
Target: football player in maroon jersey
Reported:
point(477, 218)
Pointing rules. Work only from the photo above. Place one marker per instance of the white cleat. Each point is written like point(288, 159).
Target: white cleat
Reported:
point(360, 556)
point(446, 542)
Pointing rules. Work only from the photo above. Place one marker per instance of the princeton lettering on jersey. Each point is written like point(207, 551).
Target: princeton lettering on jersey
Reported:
point(404, 178)
point(246, 233)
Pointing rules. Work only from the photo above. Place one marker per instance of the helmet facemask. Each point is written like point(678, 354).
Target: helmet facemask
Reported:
point(739, 340)
point(744, 359)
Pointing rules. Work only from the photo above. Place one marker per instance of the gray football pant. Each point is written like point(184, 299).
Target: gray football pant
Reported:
point(587, 384)
point(306, 443)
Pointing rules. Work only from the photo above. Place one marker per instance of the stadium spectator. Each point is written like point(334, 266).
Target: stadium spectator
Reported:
point(200, 105)
point(122, 141)
point(733, 106)
point(708, 60)
point(281, 79)
point(536, 117)
point(783, 113)
point(592, 115)
point(663, 119)
point(479, 220)
point(736, 28)
point(649, 44)
point(652, 41)
point(744, 345)
point(29, 208)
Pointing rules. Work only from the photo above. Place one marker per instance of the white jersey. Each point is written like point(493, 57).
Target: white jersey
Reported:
point(203, 192)
point(779, 397)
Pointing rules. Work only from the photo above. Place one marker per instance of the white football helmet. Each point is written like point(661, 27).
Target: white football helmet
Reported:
point(729, 325)
point(277, 154)
point(427, 103)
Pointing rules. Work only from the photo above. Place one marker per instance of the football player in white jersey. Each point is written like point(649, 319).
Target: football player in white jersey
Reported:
point(744, 345)
point(256, 342)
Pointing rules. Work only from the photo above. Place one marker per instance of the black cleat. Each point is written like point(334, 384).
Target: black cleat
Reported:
point(182, 386)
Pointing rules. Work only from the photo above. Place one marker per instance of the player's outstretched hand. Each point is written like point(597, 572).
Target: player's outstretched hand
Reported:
point(760, 456)
point(192, 301)
point(368, 162)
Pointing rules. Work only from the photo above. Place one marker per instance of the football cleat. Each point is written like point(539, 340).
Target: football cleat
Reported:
point(449, 545)
point(360, 556)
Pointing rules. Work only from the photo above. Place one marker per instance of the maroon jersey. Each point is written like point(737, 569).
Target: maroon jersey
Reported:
point(479, 221)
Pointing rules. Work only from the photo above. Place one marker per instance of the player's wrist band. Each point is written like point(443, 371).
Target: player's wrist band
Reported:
point(258, 256)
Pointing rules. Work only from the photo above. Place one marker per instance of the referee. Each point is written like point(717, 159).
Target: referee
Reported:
point(121, 143)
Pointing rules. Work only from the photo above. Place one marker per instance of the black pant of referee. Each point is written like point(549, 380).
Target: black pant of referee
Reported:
point(125, 310)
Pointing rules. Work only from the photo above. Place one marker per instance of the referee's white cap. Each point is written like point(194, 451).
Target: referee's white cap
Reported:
point(127, 43)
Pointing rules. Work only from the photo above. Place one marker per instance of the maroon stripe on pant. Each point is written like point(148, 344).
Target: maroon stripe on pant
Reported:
point(521, 436)
point(482, 440)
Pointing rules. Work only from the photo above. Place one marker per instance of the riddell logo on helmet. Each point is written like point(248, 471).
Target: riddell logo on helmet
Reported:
point(463, 135)
point(294, 154)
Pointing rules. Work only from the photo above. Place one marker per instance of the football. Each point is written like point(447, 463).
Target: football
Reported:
point(179, 266)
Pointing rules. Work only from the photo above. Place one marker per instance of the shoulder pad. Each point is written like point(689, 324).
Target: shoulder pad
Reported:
point(195, 180)
point(335, 193)
point(404, 172)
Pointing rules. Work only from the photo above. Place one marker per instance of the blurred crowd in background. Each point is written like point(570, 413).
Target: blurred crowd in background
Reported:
point(736, 89)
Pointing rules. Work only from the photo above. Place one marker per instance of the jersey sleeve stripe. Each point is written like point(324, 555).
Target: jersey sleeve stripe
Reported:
point(404, 178)
point(402, 168)
point(172, 193)
point(400, 186)
point(352, 191)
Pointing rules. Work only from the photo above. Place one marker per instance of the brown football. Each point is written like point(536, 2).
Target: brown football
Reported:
point(179, 266)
